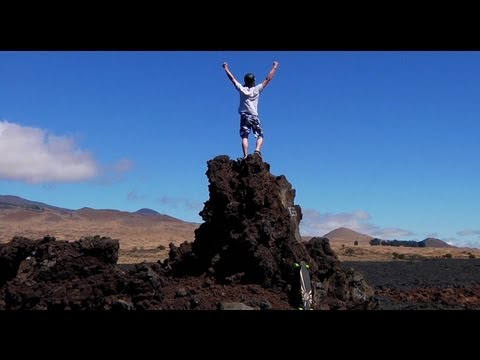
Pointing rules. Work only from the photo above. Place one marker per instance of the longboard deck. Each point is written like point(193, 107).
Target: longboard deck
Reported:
point(306, 286)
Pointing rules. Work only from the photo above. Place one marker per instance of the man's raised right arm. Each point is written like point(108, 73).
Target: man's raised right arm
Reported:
point(229, 74)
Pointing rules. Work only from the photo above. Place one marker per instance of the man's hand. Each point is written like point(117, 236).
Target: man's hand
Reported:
point(229, 73)
point(270, 74)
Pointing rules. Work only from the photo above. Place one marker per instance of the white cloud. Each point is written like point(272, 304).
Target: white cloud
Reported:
point(473, 241)
point(315, 223)
point(123, 166)
point(463, 242)
point(392, 233)
point(114, 173)
point(134, 196)
point(180, 202)
point(468, 232)
point(36, 156)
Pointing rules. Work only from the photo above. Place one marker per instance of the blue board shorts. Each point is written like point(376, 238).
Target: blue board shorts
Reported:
point(250, 122)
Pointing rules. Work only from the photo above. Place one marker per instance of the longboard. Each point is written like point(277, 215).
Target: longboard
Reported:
point(306, 291)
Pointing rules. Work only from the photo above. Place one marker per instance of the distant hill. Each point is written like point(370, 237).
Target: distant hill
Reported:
point(15, 202)
point(143, 228)
point(146, 211)
point(345, 235)
point(437, 243)
point(429, 242)
point(150, 212)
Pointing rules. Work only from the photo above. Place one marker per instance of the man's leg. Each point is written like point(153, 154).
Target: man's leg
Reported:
point(257, 132)
point(245, 146)
point(259, 143)
point(244, 132)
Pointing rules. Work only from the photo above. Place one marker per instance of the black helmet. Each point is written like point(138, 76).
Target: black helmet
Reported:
point(249, 79)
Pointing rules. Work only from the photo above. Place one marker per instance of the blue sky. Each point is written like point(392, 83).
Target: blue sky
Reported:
point(382, 142)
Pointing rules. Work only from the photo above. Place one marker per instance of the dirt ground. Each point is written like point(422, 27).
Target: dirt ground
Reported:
point(344, 251)
point(199, 293)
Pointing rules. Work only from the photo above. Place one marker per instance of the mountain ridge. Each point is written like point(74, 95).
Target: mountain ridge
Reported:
point(13, 201)
point(346, 235)
point(144, 228)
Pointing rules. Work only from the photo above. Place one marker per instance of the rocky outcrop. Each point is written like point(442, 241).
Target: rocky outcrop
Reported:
point(250, 235)
point(82, 275)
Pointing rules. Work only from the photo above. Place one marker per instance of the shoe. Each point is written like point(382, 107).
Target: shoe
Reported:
point(240, 159)
point(258, 153)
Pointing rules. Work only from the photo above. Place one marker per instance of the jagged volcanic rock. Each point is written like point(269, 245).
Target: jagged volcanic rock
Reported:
point(82, 275)
point(250, 235)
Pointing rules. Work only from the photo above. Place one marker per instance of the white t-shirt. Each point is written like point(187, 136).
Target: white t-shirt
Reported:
point(248, 98)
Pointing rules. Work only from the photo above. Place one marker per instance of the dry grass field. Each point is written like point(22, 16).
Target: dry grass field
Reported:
point(343, 241)
point(350, 252)
point(142, 235)
point(343, 251)
point(146, 237)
